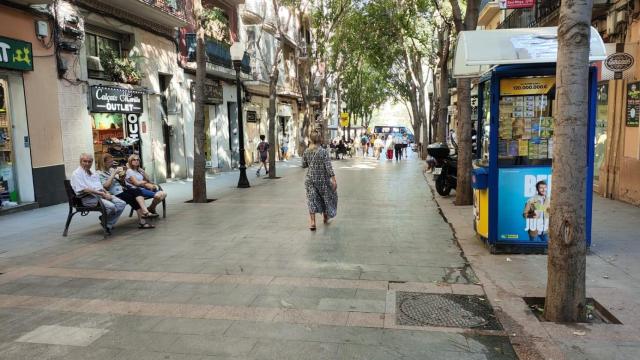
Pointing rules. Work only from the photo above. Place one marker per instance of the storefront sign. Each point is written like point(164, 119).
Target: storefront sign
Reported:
point(516, 4)
point(212, 93)
point(115, 100)
point(523, 204)
point(633, 104)
point(527, 86)
point(252, 116)
point(16, 54)
point(344, 119)
point(619, 62)
point(133, 126)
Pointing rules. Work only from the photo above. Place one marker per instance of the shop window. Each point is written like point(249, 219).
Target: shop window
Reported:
point(8, 190)
point(109, 136)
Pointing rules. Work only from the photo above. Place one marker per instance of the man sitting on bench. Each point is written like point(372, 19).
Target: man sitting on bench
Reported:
point(85, 182)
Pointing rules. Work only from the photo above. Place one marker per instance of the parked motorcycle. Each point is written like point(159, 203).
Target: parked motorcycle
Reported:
point(446, 168)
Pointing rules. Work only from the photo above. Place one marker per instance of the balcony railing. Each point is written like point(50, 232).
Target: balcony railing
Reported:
point(218, 53)
point(532, 17)
point(173, 7)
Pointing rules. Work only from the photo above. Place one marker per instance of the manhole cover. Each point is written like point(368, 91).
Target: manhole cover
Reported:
point(446, 310)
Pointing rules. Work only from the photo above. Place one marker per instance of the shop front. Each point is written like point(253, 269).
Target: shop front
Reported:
point(16, 182)
point(115, 121)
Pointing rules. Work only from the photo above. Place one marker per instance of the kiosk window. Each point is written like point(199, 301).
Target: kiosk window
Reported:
point(525, 130)
point(485, 123)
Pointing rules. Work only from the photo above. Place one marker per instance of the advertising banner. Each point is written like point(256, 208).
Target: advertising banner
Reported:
point(516, 4)
point(523, 205)
point(344, 119)
point(633, 104)
point(527, 86)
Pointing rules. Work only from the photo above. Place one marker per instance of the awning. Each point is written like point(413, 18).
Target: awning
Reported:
point(478, 50)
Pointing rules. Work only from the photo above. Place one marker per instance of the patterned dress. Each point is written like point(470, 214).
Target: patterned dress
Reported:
point(320, 195)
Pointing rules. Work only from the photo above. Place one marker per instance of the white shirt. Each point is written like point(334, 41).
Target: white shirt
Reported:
point(80, 181)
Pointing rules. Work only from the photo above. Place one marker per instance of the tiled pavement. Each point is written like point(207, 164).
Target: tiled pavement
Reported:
point(242, 277)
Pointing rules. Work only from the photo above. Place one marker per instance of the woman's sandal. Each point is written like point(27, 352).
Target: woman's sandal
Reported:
point(150, 215)
point(312, 228)
point(145, 226)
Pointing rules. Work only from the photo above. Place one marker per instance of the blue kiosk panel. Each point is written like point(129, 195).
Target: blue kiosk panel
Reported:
point(516, 147)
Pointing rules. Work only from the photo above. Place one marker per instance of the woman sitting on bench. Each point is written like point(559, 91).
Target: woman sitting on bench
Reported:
point(136, 177)
point(110, 176)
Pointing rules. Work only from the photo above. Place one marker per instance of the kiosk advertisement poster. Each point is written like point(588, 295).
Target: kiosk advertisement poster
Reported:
point(523, 204)
point(633, 104)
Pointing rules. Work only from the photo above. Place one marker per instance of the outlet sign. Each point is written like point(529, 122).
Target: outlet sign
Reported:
point(516, 4)
point(108, 99)
point(16, 54)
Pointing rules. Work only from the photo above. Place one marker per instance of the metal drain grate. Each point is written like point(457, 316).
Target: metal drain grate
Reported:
point(445, 310)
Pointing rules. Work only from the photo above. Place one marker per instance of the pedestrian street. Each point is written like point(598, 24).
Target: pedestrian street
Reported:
point(243, 277)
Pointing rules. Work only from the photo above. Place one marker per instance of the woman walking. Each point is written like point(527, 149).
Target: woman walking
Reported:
point(320, 182)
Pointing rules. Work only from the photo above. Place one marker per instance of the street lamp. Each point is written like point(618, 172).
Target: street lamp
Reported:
point(237, 52)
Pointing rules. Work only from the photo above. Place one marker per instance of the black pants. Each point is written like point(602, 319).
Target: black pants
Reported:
point(129, 196)
point(398, 151)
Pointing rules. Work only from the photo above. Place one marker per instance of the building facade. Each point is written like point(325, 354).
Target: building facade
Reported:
point(31, 144)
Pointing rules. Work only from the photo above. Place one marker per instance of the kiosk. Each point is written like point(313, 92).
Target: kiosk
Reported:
point(512, 168)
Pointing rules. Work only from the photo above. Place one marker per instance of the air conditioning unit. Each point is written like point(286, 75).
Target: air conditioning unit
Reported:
point(611, 22)
point(621, 17)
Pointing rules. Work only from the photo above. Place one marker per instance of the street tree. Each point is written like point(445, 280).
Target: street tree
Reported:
point(565, 297)
point(464, 192)
point(209, 22)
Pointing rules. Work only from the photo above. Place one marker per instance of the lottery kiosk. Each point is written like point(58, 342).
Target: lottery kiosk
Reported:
point(512, 167)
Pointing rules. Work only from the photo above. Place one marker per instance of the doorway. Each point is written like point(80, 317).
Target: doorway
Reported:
point(165, 80)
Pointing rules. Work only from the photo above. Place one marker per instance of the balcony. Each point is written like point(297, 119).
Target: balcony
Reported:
point(488, 11)
point(218, 53)
point(543, 13)
point(253, 12)
point(169, 13)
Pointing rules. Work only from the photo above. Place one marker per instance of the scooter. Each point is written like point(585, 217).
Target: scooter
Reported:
point(446, 168)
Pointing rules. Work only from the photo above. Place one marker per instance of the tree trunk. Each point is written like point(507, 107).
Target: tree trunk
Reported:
point(441, 135)
point(464, 192)
point(565, 298)
point(271, 112)
point(199, 175)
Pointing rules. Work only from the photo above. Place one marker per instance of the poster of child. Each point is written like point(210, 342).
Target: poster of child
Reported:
point(536, 214)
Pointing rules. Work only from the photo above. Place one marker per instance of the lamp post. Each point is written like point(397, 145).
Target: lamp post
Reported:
point(237, 52)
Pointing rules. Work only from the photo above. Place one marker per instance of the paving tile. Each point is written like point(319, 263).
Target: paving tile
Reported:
point(370, 306)
point(192, 326)
point(212, 345)
point(62, 335)
point(293, 350)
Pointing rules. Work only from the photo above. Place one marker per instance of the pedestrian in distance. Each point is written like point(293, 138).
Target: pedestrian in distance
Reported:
point(389, 145)
point(397, 146)
point(284, 147)
point(378, 145)
point(320, 183)
point(263, 153)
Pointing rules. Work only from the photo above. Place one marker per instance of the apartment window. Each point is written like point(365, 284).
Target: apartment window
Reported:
point(98, 47)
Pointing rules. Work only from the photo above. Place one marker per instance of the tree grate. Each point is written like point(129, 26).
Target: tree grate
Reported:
point(445, 310)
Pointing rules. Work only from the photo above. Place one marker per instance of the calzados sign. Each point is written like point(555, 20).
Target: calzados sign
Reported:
point(115, 100)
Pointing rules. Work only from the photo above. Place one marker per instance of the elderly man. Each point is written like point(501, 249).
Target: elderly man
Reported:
point(85, 182)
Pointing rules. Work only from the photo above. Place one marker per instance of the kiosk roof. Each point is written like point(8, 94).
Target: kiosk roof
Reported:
point(478, 50)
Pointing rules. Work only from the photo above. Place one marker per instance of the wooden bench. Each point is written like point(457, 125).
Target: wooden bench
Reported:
point(76, 206)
